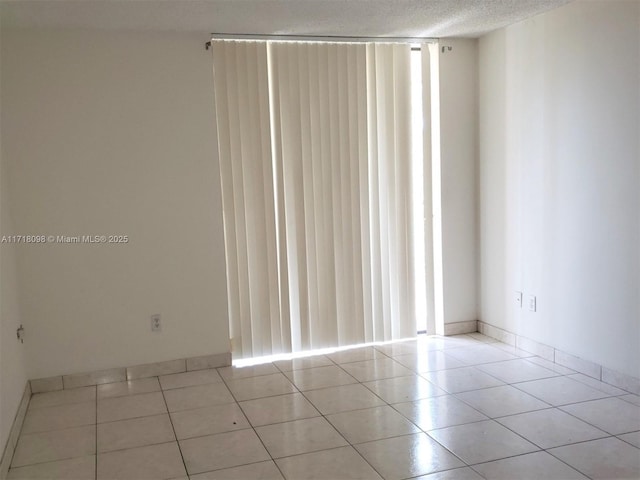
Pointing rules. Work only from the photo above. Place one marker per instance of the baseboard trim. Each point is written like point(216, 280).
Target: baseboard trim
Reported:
point(14, 433)
point(458, 328)
point(586, 367)
point(112, 375)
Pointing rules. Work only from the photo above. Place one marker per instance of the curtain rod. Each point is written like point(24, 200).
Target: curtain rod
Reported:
point(317, 38)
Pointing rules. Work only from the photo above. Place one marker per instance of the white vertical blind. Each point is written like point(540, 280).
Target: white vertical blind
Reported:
point(428, 188)
point(246, 173)
point(389, 137)
point(321, 102)
point(315, 155)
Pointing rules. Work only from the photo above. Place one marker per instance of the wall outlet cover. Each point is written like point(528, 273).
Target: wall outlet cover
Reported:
point(156, 325)
point(518, 298)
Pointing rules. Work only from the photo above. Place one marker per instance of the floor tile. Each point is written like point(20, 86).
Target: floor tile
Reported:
point(376, 369)
point(371, 424)
point(57, 445)
point(482, 442)
point(632, 438)
point(551, 428)
point(464, 473)
point(161, 461)
point(551, 365)
point(189, 379)
point(608, 458)
point(519, 370)
point(319, 377)
point(560, 390)
point(480, 354)
point(515, 351)
point(208, 421)
point(281, 408)
point(300, 436)
point(259, 387)
point(355, 355)
point(135, 432)
point(461, 379)
point(46, 419)
point(136, 439)
point(481, 337)
point(593, 383)
point(122, 408)
point(429, 361)
point(258, 471)
point(81, 468)
point(63, 397)
point(631, 398)
point(612, 415)
point(455, 341)
point(439, 412)
point(198, 396)
point(407, 456)
point(341, 399)
point(222, 450)
point(404, 389)
point(233, 373)
point(532, 466)
point(399, 348)
point(131, 387)
point(303, 362)
point(343, 463)
point(501, 401)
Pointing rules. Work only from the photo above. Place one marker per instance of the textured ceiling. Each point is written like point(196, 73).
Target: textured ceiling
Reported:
point(423, 18)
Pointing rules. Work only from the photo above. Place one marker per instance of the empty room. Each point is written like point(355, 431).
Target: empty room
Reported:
point(320, 239)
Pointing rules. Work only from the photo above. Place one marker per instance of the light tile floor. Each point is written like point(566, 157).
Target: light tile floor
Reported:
point(463, 407)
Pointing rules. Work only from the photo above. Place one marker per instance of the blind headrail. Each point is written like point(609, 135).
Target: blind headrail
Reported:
point(317, 38)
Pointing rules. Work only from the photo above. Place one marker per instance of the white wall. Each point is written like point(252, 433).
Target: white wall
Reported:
point(13, 375)
point(560, 179)
point(113, 133)
point(458, 143)
point(13, 366)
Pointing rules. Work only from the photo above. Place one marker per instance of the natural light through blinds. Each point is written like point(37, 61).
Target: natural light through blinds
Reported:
point(318, 193)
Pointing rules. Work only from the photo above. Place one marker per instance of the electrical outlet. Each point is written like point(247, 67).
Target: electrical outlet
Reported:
point(518, 297)
point(532, 303)
point(156, 326)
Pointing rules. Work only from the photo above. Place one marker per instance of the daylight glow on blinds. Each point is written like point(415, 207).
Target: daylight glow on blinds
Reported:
point(316, 172)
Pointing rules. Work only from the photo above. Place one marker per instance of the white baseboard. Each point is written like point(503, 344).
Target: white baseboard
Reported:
point(60, 382)
point(458, 328)
point(586, 367)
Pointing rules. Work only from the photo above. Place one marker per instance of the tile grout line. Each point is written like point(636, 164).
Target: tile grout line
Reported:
point(540, 449)
point(570, 466)
point(237, 403)
point(551, 406)
point(352, 445)
point(490, 418)
point(557, 407)
point(175, 435)
point(333, 426)
point(384, 403)
point(322, 415)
